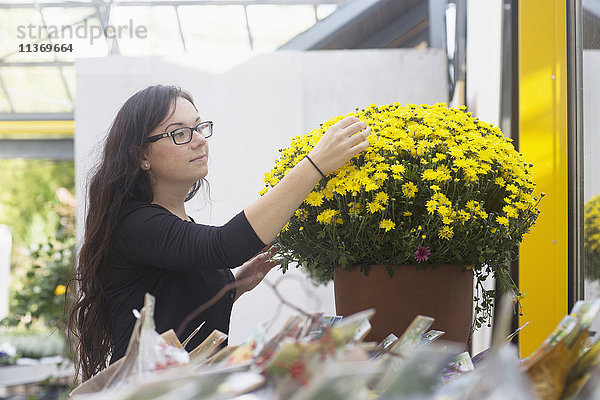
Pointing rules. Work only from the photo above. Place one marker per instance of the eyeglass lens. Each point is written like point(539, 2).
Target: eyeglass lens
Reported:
point(184, 135)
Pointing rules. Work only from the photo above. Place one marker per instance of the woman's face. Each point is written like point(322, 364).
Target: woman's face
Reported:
point(173, 164)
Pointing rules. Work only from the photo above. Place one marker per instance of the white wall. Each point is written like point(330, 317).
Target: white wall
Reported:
point(257, 107)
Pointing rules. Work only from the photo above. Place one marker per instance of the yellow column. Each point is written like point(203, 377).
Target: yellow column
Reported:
point(543, 141)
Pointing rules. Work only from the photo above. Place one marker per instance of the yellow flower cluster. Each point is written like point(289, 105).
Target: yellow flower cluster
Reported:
point(418, 151)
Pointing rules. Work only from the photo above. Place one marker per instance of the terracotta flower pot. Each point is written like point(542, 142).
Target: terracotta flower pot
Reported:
point(444, 293)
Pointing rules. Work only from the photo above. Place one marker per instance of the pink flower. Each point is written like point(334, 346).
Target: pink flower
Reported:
point(422, 254)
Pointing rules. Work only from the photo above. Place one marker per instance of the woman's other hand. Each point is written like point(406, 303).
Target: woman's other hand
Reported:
point(342, 141)
point(253, 271)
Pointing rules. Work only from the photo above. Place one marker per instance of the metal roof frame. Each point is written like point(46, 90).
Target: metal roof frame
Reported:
point(368, 24)
point(103, 10)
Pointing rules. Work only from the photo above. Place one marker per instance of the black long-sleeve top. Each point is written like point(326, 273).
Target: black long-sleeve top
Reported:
point(181, 263)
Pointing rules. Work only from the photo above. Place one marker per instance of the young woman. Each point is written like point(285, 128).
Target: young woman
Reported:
point(138, 237)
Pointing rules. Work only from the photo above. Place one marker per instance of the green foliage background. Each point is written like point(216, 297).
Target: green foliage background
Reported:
point(37, 203)
point(28, 195)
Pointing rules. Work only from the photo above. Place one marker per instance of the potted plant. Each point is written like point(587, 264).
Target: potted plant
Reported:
point(438, 199)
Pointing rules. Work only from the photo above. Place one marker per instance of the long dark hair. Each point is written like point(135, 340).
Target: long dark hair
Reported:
point(117, 179)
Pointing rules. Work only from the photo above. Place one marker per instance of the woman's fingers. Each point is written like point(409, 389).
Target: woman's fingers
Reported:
point(343, 123)
point(359, 137)
point(353, 128)
point(340, 143)
point(266, 248)
point(359, 148)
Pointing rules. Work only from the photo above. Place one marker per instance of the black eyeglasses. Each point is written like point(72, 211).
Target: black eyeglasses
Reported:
point(184, 135)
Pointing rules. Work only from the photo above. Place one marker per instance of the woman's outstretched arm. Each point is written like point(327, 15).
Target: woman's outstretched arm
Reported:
point(345, 139)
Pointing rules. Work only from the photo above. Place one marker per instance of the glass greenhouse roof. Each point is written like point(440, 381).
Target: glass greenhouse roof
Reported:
point(41, 40)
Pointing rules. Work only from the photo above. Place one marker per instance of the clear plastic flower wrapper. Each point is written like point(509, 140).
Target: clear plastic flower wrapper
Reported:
point(208, 347)
point(312, 357)
point(420, 374)
point(498, 377)
point(564, 362)
point(296, 362)
point(341, 381)
point(157, 365)
point(401, 351)
point(185, 383)
point(146, 353)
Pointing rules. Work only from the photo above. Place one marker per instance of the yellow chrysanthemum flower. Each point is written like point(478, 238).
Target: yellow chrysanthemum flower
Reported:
point(520, 205)
point(446, 232)
point(375, 206)
point(301, 214)
point(354, 208)
point(431, 206)
point(444, 211)
point(327, 216)
point(409, 189)
point(382, 197)
point(398, 169)
point(371, 185)
point(472, 205)
point(510, 211)
point(512, 188)
point(314, 199)
point(439, 157)
point(429, 175)
point(387, 224)
point(463, 216)
point(328, 194)
point(502, 220)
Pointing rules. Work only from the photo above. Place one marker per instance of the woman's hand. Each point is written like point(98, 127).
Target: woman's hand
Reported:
point(342, 141)
point(268, 215)
point(252, 272)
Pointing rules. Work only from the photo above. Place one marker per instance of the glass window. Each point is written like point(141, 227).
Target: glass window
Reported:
point(36, 89)
point(273, 26)
point(324, 10)
point(22, 27)
point(214, 28)
point(4, 104)
point(221, 35)
point(143, 31)
point(79, 27)
point(70, 78)
point(217, 34)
